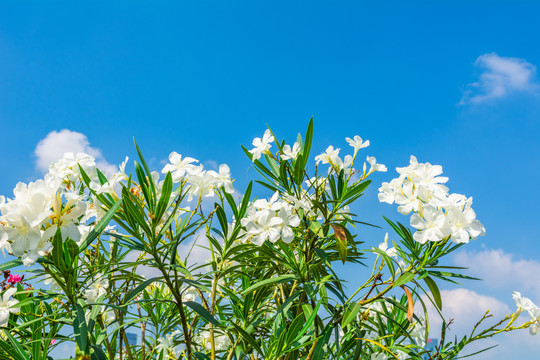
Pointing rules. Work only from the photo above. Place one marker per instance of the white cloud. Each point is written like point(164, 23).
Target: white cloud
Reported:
point(57, 143)
point(502, 271)
point(466, 308)
point(500, 77)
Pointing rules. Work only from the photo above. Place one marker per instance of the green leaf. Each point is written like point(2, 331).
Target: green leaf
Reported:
point(98, 229)
point(222, 219)
point(309, 321)
point(163, 202)
point(71, 252)
point(245, 201)
point(307, 143)
point(259, 166)
point(10, 264)
point(295, 328)
point(144, 183)
point(79, 328)
point(146, 168)
point(248, 338)
point(274, 280)
point(17, 350)
point(434, 291)
point(404, 278)
point(199, 309)
point(350, 314)
point(97, 353)
point(445, 274)
point(232, 204)
point(57, 252)
point(133, 293)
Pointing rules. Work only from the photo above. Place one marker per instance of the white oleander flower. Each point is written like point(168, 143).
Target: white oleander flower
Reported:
point(202, 185)
point(357, 143)
point(290, 154)
point(418, 332)
point(374, 165)
point(166, 345)
point(221, 341)
point(67, 168)
point(7, 306)
point(522, 303)
point(269, 220)
point(223, 178)
point(430, 226)
point(262, 146)
point(179, 167)
point(330, 156)
point(420, 189)
point(98, 288)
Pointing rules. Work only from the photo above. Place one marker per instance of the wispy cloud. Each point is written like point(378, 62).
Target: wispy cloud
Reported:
point(51, 148)
point(500, 76)
point(466, 307)
point(502, 271)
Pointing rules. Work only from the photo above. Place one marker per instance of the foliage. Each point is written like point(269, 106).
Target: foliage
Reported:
point(268, 290)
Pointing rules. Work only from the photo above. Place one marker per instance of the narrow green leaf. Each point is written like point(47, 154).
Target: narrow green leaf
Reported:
point(404, 278)
point(98, 353)
point(133, 293)
point(17, 350)
point(307, 143)
point(10, 264)
point(199, 309)
point(165, 198)
point(144, 183)
point(146, 168)
point(222, 219)
point(79, 328)
point(274, 280)
point(248, 338)
point(98, 229)
point(350, 314)
point(245, 201)
point(309, 321)
point(434, 291)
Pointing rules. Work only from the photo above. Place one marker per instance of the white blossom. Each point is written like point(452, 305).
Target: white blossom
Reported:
point(179, 167)
point(374, 165)
point(262, 146)
point(330, 156)
point(96, 289)
point(223, 178)
point(288, 154)
point(7, 306)
point(357, 143)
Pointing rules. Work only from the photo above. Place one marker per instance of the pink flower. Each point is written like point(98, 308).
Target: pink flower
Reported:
point(13, 279)
point(53, 341)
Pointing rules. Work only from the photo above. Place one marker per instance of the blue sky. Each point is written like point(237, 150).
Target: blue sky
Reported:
point(452, 82)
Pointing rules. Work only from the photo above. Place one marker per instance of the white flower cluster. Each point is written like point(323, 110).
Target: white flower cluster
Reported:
point(202, 183)
point(221, 341)
point(437, 214)
point(525, 304)
point(331, 157)
point(30, 219)
point(96, 289)
point(269, 220)
point(167, 347)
